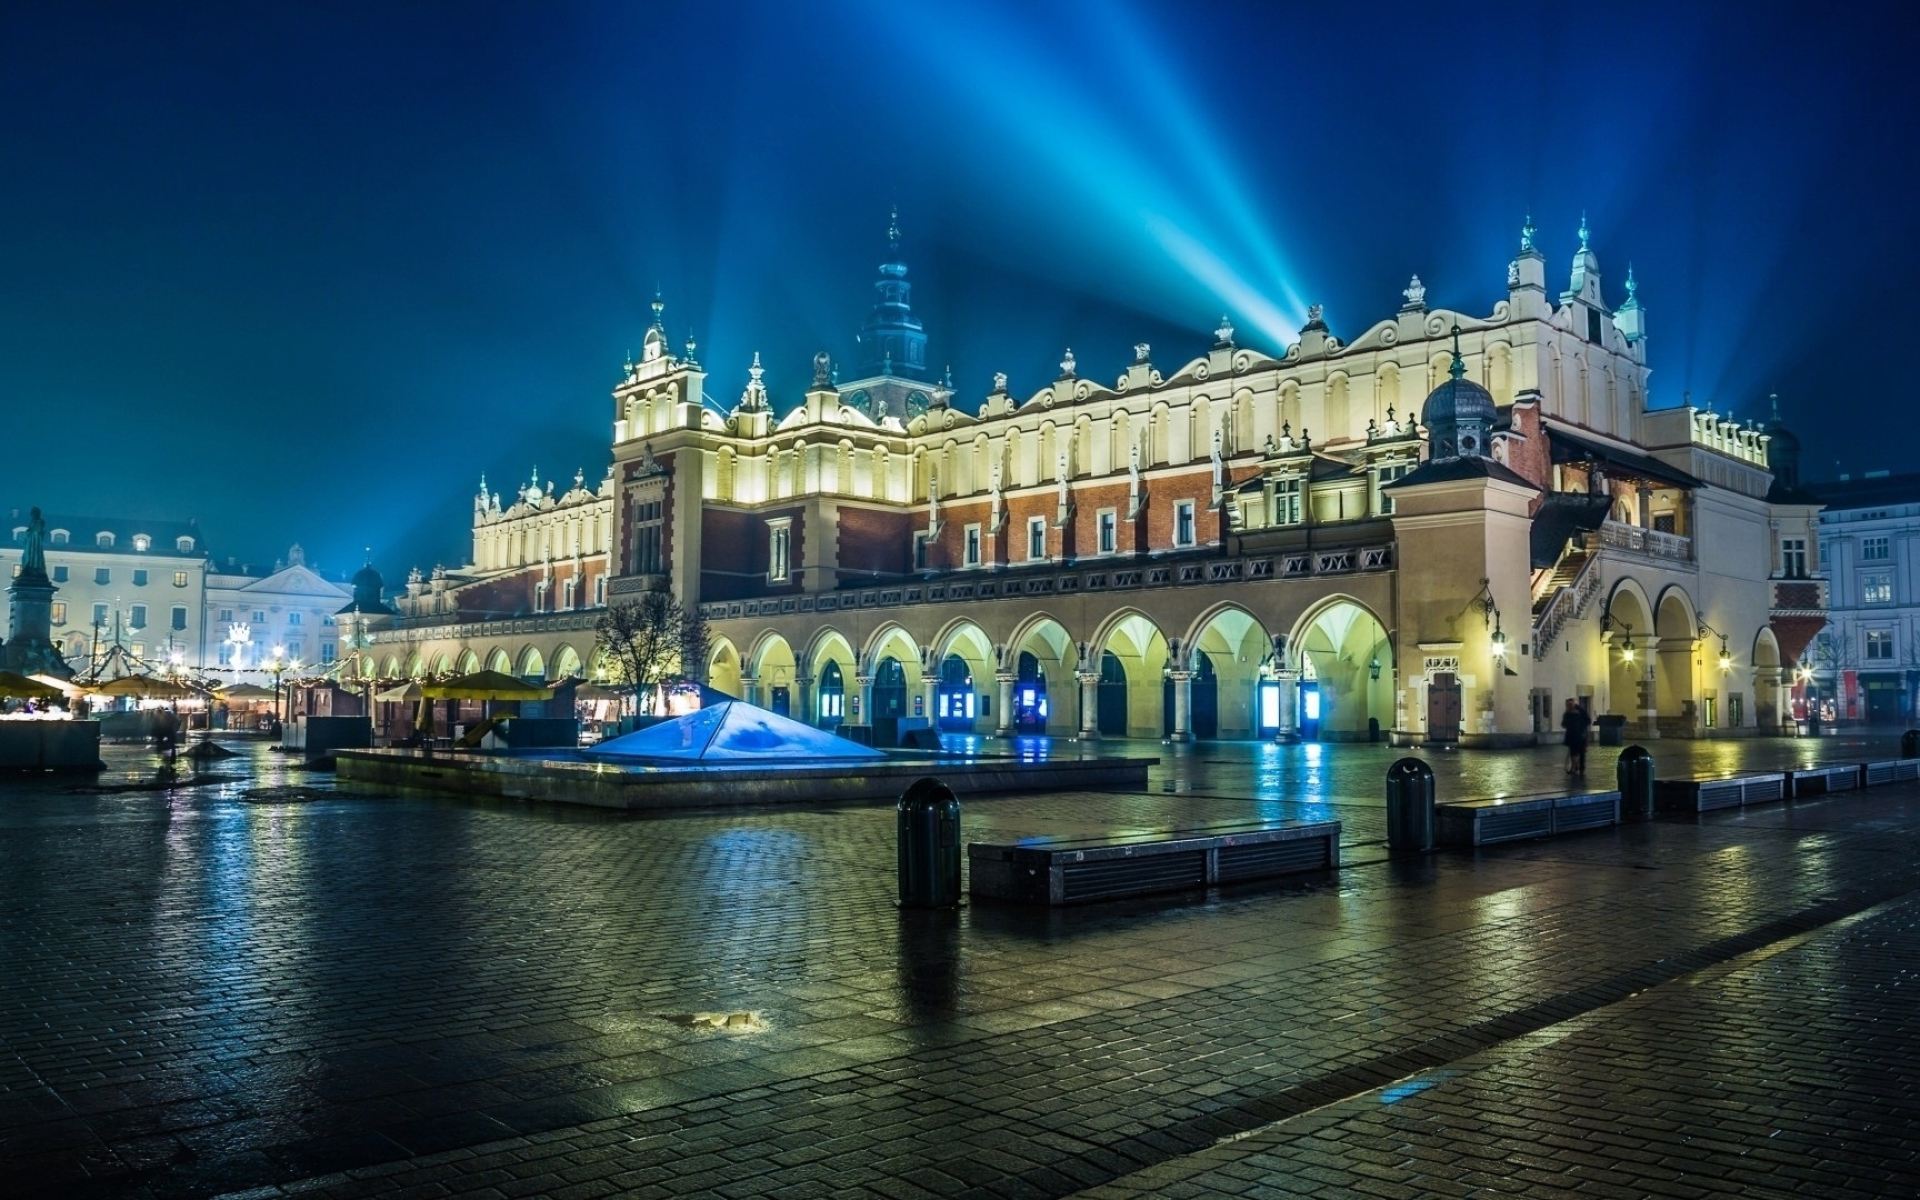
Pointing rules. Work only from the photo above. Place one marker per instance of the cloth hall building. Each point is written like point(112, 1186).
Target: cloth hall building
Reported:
point(1440, 529)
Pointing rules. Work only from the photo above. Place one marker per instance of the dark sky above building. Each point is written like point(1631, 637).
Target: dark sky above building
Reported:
point(304, 271)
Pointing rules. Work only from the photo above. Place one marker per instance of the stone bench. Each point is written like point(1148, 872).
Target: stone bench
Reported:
point(1704, 793)
point(1892, 770)
point(1516, 818)
point(1819, 781)
point(1053, 871)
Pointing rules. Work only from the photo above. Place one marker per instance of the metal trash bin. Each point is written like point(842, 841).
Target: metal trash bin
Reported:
point(1634, 773)
point(929, 839)
point(1410, 815)
point(1610, 729)
point(1910, 744)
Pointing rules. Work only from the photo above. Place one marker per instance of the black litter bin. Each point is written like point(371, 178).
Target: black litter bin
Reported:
point(929, 837)
point(1410, 816)
point(1610, 729)
point(1910, 744)
point(1634, 771)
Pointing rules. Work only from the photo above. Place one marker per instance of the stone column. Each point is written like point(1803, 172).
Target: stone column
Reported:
point(1089, 705)
point(1004, 720)
point(803, 700)
point(865, 696)
point(1676, 662)
point(930, 685)
point(1649, 699)
point(1771, 701)
point(750, 689)
point(1289, 682)
point(1182, 705)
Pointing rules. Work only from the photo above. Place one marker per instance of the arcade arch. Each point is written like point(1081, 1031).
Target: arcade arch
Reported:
point(1675, 627)
point(1044, 662)
point(1346, 673)
point(1229, 647)
point(1133, 663)
point(1631, 653)
point(775, 675)
point(964, 678)
point(723, 668)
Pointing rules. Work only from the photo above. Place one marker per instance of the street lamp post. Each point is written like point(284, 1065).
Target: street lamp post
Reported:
point(277, 665)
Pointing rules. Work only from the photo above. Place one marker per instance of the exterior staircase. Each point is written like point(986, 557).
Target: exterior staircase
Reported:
point(1563, 595)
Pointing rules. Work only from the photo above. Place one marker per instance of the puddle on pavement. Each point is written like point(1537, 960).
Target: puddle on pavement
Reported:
point(719, 1022)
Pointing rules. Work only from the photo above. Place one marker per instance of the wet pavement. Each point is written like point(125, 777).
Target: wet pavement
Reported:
point(244, 983)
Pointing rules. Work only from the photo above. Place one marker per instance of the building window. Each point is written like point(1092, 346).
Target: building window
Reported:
point(326, 652)
point(600, 591)
point(1109, 529)
point(179, 579)
point(1879, 645)
point(99, 615)
point(102, 575)
point(184, 545)
point(779, 550)
point(539, 597)
point(921, 541)
point(325, 619)
point(259, 618)
point(226, 654)
point(142, 542)
point(293, 618)
point(60, 573)
point(137, 616)
point(1183, 523)
point(59, 537)
point(1875, 549)
point(179, 617)
point(649, 533)
point(1036, 539)
point(58, 613)
point(140, 578)
point(226, 614)
point(1383, 475)
point(139, 649)
point(1286, 501)
point(1876, 587)
point(1793, 558)
point(103, 539)
point(973, 546)
point(567, 591)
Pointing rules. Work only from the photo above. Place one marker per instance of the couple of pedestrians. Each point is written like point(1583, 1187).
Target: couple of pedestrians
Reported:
point(1575, 723)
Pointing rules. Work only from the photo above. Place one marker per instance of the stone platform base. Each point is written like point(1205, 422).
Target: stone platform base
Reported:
point(606, 785)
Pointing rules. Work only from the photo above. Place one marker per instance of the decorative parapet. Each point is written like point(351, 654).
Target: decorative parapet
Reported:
point(1291, 565)
point(1799, 598)
point(1745, 442)
point(408, 630)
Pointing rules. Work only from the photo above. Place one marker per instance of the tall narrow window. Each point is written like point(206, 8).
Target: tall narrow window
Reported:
point(973, 546)
point(1036, 539)
point(137, 618)
point(1879, 645)
point(179, 620)
point(1183, 523)
point(1875, 549)
point(1793, 558)
point(779, 550)
point(1383, 475)
point(649, 521)
point(1109, 526)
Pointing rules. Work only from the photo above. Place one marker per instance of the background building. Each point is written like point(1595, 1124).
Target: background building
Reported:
point(1865, 667)
point(251, 611)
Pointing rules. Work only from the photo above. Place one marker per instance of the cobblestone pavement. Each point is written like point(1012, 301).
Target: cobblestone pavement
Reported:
point(256, 986)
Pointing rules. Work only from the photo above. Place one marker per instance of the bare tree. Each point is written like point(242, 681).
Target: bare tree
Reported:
point(653, 641)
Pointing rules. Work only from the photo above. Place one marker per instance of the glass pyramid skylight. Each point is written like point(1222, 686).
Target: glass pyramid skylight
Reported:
point(734, 731)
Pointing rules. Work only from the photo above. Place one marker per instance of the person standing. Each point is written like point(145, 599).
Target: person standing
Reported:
point(1575, 723)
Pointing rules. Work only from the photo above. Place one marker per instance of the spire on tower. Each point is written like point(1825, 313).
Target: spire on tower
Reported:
point(892, 341)
point(1459, 365)
point(1526, 235)
point(1584, 232)
point(893, 231)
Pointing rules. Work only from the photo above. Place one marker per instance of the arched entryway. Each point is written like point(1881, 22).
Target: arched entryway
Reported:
point(1231, 651)
point(1044, 663)
point(1136, 647)
point(1632, 658)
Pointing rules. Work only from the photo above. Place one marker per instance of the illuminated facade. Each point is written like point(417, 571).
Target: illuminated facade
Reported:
point(1865, 667)
point(1441, 528)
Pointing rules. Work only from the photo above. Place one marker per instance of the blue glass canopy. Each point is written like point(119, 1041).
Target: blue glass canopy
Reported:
point(733, 731)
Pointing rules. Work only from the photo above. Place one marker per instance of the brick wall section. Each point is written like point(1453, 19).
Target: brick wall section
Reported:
point(514, 595)
point(877, 542)
point(735, 545)
point(1532, 458)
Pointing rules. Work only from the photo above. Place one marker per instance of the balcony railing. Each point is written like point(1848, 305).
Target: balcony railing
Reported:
point(1650, 542)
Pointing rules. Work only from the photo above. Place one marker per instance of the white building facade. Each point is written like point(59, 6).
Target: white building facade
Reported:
point(1864, 668)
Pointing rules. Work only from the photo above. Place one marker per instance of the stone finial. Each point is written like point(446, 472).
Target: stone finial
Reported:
point(1416, 293)
point(1067, 365)
point(1223, 335)
point(999, 381)
point(1314, 312)
point(1585, 233)
point(1142, 352)
point(1526, 234)
point(1632, 287)
point(659, 310)
point(822, 371)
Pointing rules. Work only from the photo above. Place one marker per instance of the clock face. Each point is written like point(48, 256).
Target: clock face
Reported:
point(916, 404)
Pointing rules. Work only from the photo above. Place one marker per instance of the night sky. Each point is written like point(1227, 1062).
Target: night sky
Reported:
point(304, 271)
